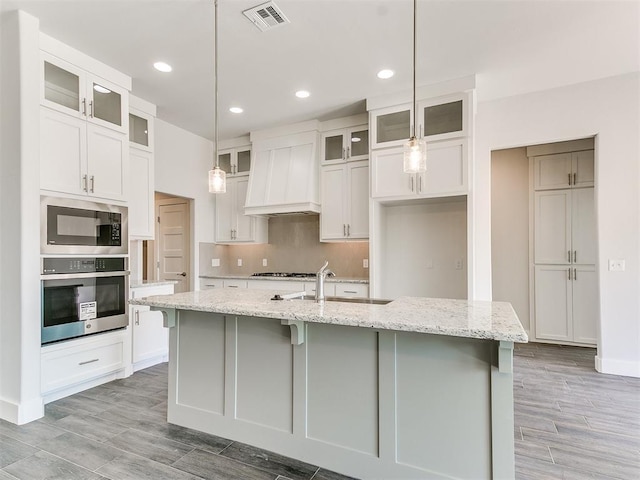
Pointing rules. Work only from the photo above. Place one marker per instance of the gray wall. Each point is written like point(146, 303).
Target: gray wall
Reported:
point(293, 246)
point(510, 229)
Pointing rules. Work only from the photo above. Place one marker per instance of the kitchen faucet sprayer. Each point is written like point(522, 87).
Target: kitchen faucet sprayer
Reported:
point(320, 276)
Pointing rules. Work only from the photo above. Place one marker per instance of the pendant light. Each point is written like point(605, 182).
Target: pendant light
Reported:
point(217, 176)
point(415, 150)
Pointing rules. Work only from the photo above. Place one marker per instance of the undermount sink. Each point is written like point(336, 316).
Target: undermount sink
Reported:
point(370, 301)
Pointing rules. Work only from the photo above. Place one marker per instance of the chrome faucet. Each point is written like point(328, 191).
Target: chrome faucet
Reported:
point(320, 276)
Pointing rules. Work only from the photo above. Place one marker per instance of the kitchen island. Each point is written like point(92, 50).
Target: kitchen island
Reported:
point(417, 388)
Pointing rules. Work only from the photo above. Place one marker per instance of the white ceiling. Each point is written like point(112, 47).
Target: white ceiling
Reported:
point(333, 48)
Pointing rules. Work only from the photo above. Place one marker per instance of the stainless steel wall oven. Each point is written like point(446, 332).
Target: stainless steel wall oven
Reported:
point(82, 296)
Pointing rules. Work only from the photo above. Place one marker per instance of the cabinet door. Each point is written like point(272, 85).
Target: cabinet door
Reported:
point(358, 200)
point(333, 196)
point(353, 290)
point(552, 227)
point(585, 304)
point(224, 161)
point(235, 283)
point(387, 176)
point(441, 119)
point(63, 152)
point(63, 86)
point(141, 130)
point(391, 126)
point(141, 201)
point(446, 169)
point(552, 171)
point(243, 223)
point(108, 104)
point(210, 283)
point(243, 161)
point(583, 168)
point(150, 337)
point(333, 146)
point(583, 226)
point(553, 302)
point(358, 143)
point(107, 162)
point(224, 213)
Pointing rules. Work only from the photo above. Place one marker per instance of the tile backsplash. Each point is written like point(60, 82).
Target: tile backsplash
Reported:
point(293, 246)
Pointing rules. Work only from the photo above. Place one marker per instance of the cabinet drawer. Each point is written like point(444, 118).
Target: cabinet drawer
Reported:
point(209, 283)
point(356, 290)
point(234, 283)
point(329, 289)
point(141, 292)
point(276, 285)
point(66, 366)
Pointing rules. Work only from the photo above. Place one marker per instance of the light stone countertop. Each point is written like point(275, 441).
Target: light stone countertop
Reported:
point(364, 281)
point(150, 283)
point(458, 318)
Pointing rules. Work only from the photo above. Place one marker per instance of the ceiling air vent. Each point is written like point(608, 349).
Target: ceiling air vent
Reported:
point(266, 16)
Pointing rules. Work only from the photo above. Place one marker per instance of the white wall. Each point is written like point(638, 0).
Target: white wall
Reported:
point(182, 163)
point(510, 230)
point(20, 399)
point(610, 109)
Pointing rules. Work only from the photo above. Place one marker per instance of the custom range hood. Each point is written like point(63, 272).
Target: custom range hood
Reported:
point(284, 171)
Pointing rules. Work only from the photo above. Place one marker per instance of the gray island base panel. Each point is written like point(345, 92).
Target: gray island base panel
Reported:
point(368, 402)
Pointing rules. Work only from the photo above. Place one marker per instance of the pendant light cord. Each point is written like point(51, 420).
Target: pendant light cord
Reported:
point(415, 107)
point(215, 79)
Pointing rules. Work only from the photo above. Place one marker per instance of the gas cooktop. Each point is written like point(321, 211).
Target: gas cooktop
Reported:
point(283, 274)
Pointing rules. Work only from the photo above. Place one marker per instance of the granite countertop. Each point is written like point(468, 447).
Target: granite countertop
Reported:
point(290, 279)
point(150, 283)
point(459, 318)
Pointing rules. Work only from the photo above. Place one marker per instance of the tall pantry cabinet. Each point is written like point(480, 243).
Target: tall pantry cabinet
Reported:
point(564, 248)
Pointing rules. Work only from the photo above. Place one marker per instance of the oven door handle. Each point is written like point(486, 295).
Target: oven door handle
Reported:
point(68, 276)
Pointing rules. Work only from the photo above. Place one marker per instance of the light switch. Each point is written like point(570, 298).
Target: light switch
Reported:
point(215, 262)
point(458, 264)
point(616, 265)
point(264, 262)
point(239, 262)
point(365, 263)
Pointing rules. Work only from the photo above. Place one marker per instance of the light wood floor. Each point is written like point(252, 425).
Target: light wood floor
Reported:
point(570, 421)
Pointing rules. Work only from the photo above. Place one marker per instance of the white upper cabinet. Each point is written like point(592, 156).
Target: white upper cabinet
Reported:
point(73, 91)
point(564, 170)
point(442, 118)
point(84, 126)
point(232, 225)
point(345, 202)
point(446, 173)
point(346, 144)
point(391, 126)
point(235, 161)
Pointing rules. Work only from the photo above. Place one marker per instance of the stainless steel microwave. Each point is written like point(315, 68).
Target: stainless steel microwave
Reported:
point(79, 227)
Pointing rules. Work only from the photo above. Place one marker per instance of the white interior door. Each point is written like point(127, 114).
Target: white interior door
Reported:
point(173, 243)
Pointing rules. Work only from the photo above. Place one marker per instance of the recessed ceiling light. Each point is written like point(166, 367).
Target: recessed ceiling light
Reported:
point(100, 88)
point(162, 67)
point(384, 74)
point(236, 110)
point(302, 94)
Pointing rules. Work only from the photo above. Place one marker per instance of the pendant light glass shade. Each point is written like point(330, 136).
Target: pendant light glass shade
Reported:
point(217, 180)
point(415, 156)
point(415, 150)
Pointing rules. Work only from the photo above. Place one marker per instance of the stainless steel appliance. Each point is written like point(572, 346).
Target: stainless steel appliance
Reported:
point(81, 296)
point(80, 227)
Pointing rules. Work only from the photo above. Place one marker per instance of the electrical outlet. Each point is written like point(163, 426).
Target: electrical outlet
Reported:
point(239, 262)
point(215, 262)
point(264, 262)
point(365, 263)
point(616, 265)
point(458, 264)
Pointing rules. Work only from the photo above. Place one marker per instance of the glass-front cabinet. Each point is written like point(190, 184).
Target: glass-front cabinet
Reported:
point(73, 91)
point(391, 126)
point(346, 144)
point(140, 130)
point(235, 161)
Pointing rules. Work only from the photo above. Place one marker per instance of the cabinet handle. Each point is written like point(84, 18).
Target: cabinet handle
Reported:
point(350, 291)
point(84, 107)
point(89, 361)
point(575, 256)
point(344, 229)
point(569, 273)
point(575, 178)
point(569, 176)
point(575, 273)
point(348, 230)
point(344, 153)
point(420, 184)
point(412, 183)
point(137, 321)
point(232, 286)
point(84, 183)
point(569, 256)
point(91, 109)
point(92, 180)
point(348, 152)
point(420, 132)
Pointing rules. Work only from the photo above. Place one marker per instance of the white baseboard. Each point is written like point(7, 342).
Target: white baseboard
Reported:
point(21, 413)
point(150, 362)
point(618, 367)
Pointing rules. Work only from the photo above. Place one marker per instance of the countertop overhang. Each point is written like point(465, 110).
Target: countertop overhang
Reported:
point(459, 318)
